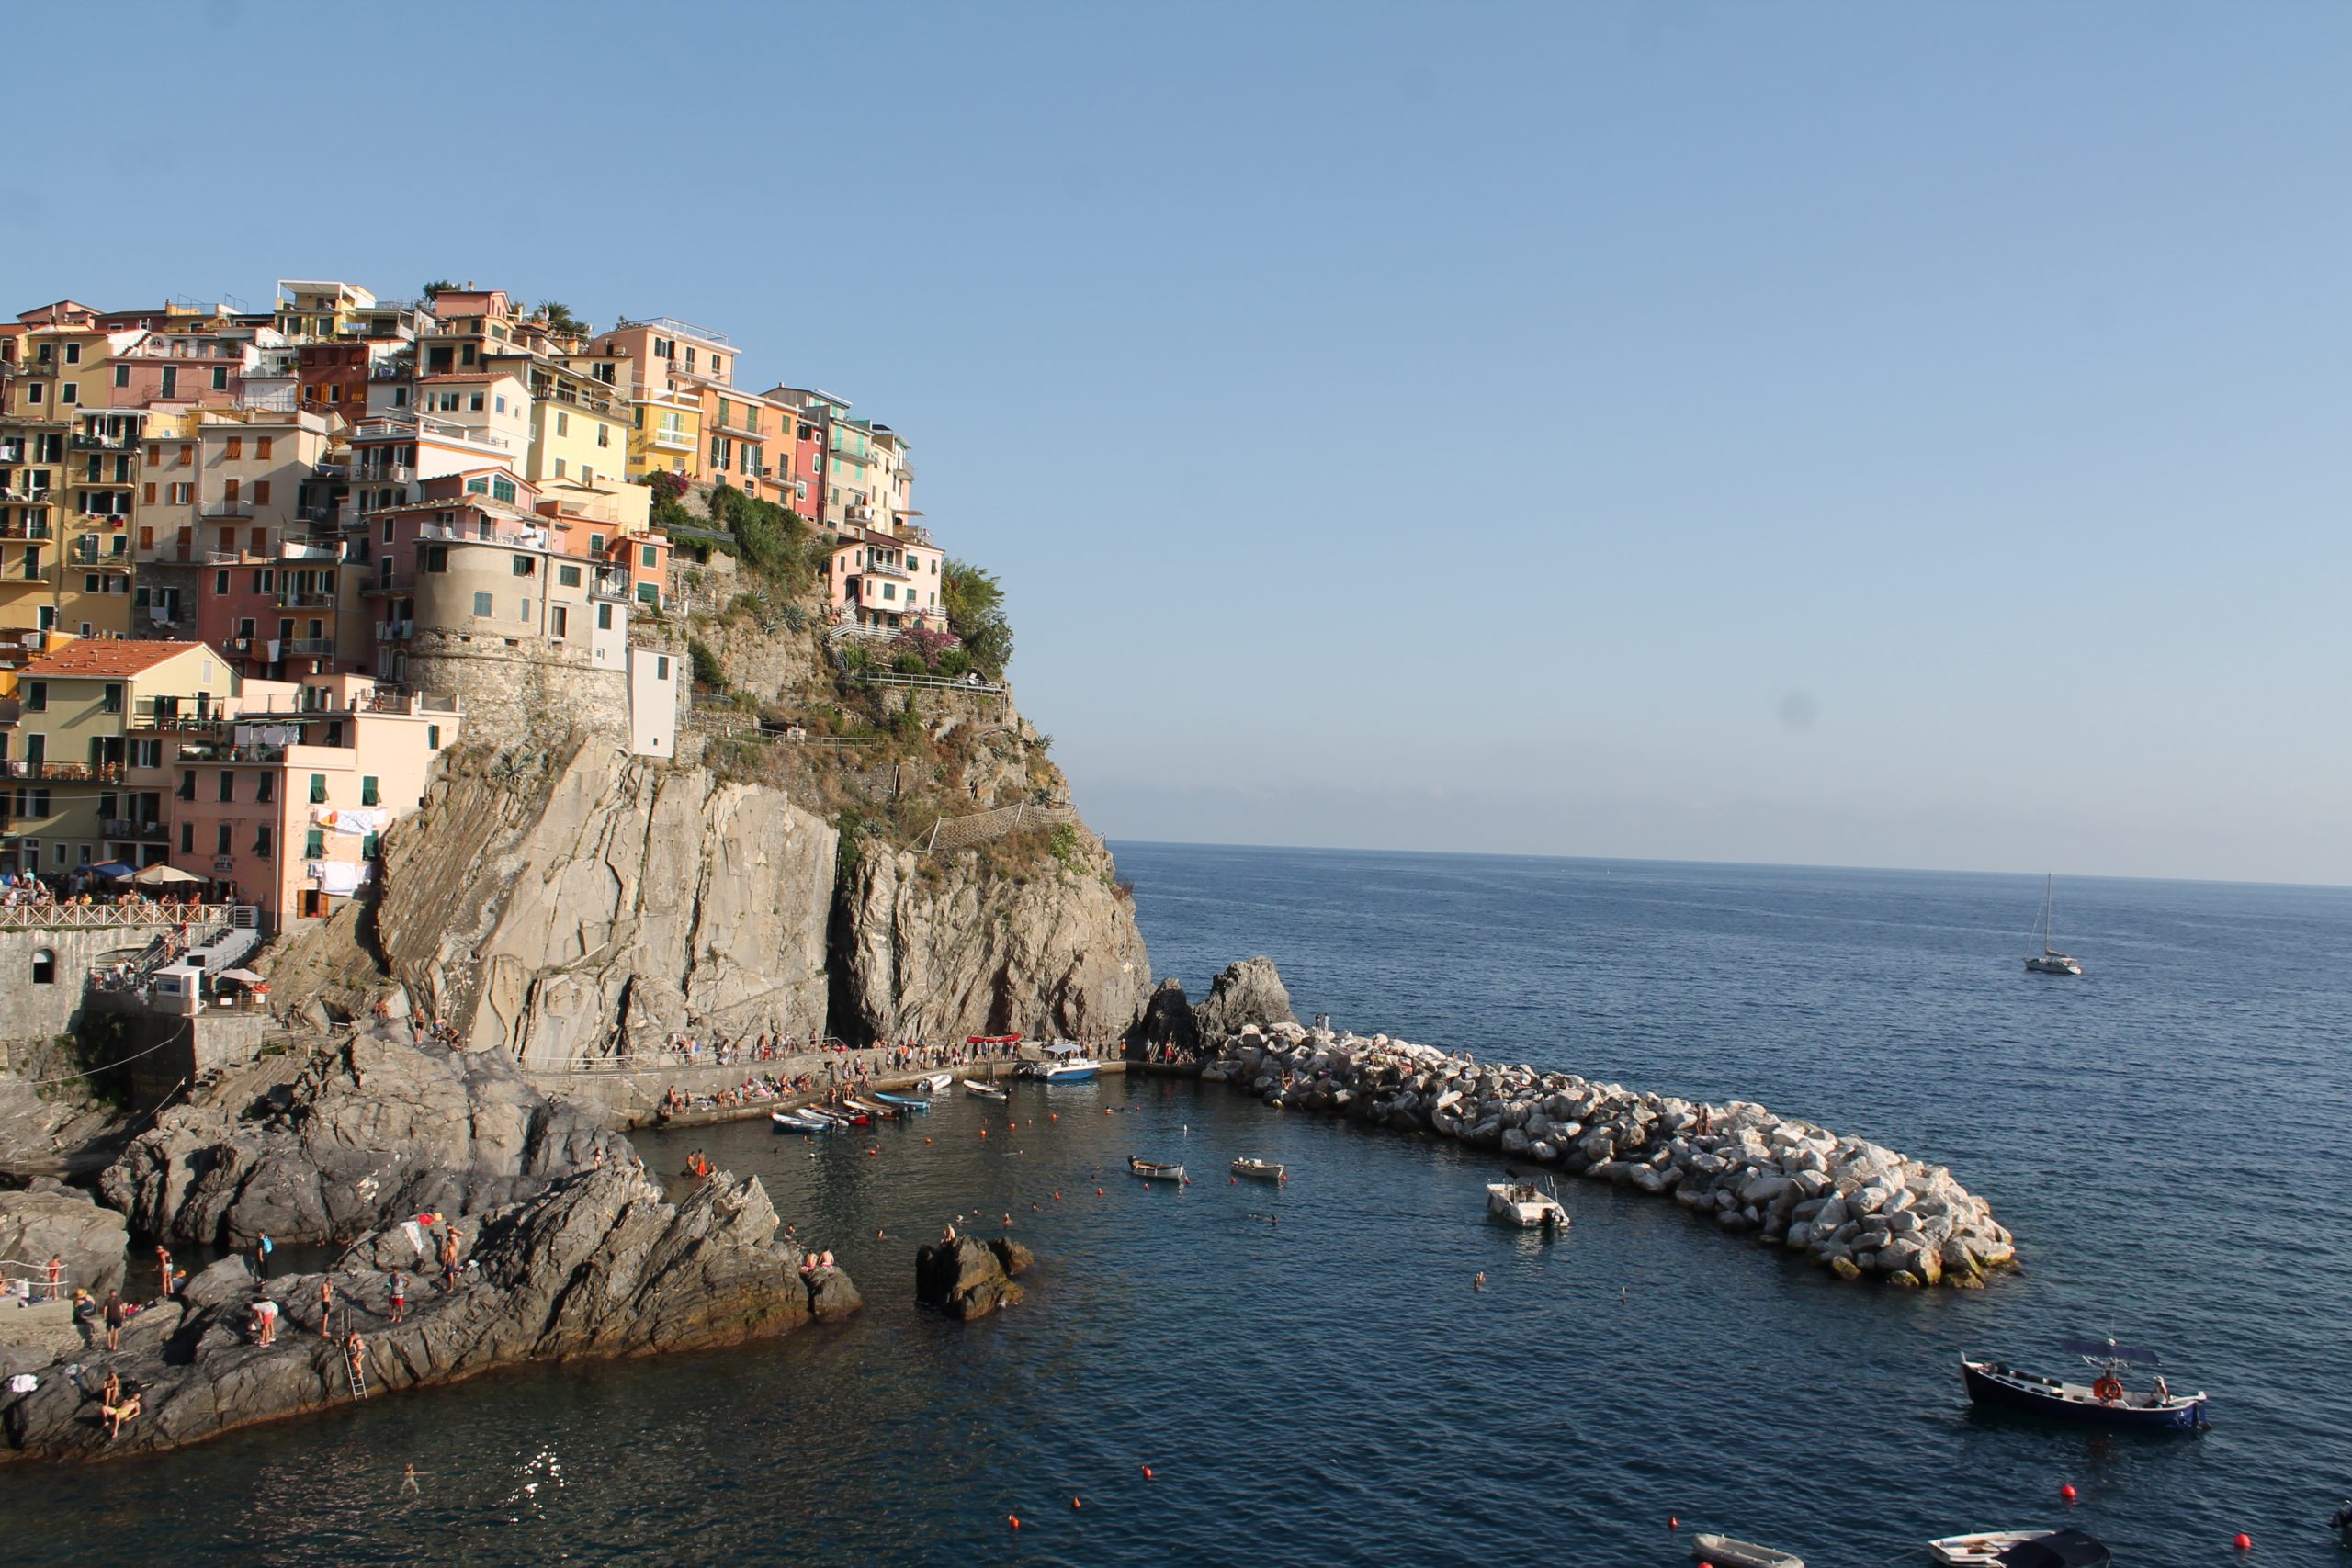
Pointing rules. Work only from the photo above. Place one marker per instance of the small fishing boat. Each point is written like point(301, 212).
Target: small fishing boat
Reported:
point(888, 1113)
point(2050, 960)
point(1722, 1552)
point(1524, 1205)
point(1153, 1170)
point(1062, 1062)
point(979, 1090)
point(2021, 1549)
point(938, 1083)
point(904, 1101)
point(797, 1122)
point(2102, 1402)
point(1264, 1168)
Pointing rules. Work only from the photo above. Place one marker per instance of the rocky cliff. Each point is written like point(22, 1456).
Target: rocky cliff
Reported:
point(597, 1265)
point(940, 946)
point(375, 1129)
point(605, 903)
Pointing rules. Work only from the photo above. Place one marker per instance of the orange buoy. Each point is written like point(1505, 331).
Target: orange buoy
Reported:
point(1053, 1115)
point(1012, 1126)
point(984, 1132)
point(1673, 1523)
point(2067, 1491)
point(1098, 1192)
point(926, 1140)
point(1147, 1472)
point(1012, 1520)
point(1074, 1503)
point(2243, 1542)
point(1058, 1197)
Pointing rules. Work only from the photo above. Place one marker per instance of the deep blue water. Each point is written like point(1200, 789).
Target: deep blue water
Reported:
point(2163, 1135)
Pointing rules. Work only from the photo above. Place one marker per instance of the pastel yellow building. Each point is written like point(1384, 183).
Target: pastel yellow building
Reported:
point(65, 756)
point(579, 425)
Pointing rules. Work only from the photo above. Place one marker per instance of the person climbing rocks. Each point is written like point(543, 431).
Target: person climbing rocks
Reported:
point(326, 1305)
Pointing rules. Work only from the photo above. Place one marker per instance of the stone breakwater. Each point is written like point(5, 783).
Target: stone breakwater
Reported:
point(1855, 1207)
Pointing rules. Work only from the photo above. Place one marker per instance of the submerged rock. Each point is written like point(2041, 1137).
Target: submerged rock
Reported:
point(599, 1265)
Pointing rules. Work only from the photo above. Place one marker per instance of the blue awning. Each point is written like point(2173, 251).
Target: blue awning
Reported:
point(115, 869)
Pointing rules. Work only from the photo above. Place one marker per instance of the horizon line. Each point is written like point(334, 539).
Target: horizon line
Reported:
point(1743, 865)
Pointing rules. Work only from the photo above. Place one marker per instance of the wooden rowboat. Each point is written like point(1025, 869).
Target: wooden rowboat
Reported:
point(1152, 1170)
point(978, 1090)
point(1722, 1552)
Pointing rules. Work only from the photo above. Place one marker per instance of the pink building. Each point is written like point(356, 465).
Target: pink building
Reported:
point(874, 579)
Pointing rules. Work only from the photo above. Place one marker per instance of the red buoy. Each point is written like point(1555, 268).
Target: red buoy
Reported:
point(2067, 1491)
point(1076, 1504)
point(1053, 1115)
point(2244, 1541)
point(1673, 1523)
point(1012, 1520)
point(1147, 1472)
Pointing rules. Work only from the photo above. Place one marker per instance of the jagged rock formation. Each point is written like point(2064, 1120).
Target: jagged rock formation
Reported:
point(599, 1266)
point(938, 947)
point(1245, 993)
point(618, 901)
point(52, 1220)
point(375, 1129)
point(967, 1279)
point(1167, 1020)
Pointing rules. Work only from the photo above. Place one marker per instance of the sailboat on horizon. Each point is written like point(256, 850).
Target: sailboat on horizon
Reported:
point(2050, 960)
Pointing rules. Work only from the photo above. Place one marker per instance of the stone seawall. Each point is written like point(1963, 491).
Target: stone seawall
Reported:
point(1853, 1206)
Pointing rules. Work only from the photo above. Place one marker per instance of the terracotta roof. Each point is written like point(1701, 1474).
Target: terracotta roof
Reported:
point(107, 655)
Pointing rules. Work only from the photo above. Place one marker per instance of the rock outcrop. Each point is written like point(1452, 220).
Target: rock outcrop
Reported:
point(938, 947)
point(967, 1279)
point(598, 1266)
point(606, 906)
point(376, 1128)
point(1245, 993)
point(1167, 1019)
point(1853, 1206)
point(56, 1221)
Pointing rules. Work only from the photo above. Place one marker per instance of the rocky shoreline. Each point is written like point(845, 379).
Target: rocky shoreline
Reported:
point(1855, 1207)
point(598, 1264)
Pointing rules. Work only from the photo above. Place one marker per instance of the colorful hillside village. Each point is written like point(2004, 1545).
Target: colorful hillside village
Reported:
point(259, 568)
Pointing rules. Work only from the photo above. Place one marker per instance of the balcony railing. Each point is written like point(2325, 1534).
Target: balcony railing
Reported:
point(610, 585)
point(886, 569)
point(394, 631)
point(305, 599)
point(66, 772)
point(306, 646)
point(211, 751)
point(673, 440)
point(516, 538)
point(85, 441)
point(131, 828)
point(383, 474)
point(17, 528)
point(227, 506)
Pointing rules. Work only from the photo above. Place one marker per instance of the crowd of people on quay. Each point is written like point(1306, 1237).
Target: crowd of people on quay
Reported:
point(839, 1072)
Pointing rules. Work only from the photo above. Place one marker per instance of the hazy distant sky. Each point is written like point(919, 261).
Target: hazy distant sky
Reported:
point(1901, 435)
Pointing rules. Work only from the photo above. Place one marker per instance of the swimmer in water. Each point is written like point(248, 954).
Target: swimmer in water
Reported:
point(1480, 1282)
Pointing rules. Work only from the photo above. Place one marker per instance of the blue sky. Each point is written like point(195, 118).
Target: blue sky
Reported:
point(1884, 435)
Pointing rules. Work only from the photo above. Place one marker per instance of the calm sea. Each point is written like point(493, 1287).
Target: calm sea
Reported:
point(2165, 1136)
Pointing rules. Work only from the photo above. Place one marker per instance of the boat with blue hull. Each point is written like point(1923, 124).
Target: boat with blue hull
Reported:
point(2102, 1402)
point(1062, 1064)
point(904, 1101)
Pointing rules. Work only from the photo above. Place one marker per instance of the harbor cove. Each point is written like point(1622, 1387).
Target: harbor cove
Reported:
point(1163, 786)
point(1648, 1368)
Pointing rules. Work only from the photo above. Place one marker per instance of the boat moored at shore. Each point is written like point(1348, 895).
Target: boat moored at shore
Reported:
point(1062, 1062)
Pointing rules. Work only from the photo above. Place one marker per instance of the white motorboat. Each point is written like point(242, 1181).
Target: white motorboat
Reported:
point(1526, 1206)
point(979, 1090)
point(1062, 1062)
point(1265, 1169)
point(938, 1083)
point(1722, 1552)
point(1155, 1170)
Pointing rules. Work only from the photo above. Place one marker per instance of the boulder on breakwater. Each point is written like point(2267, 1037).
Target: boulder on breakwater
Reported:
point(598, 1265)
point(967, 1279)
point(1854, 1207)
